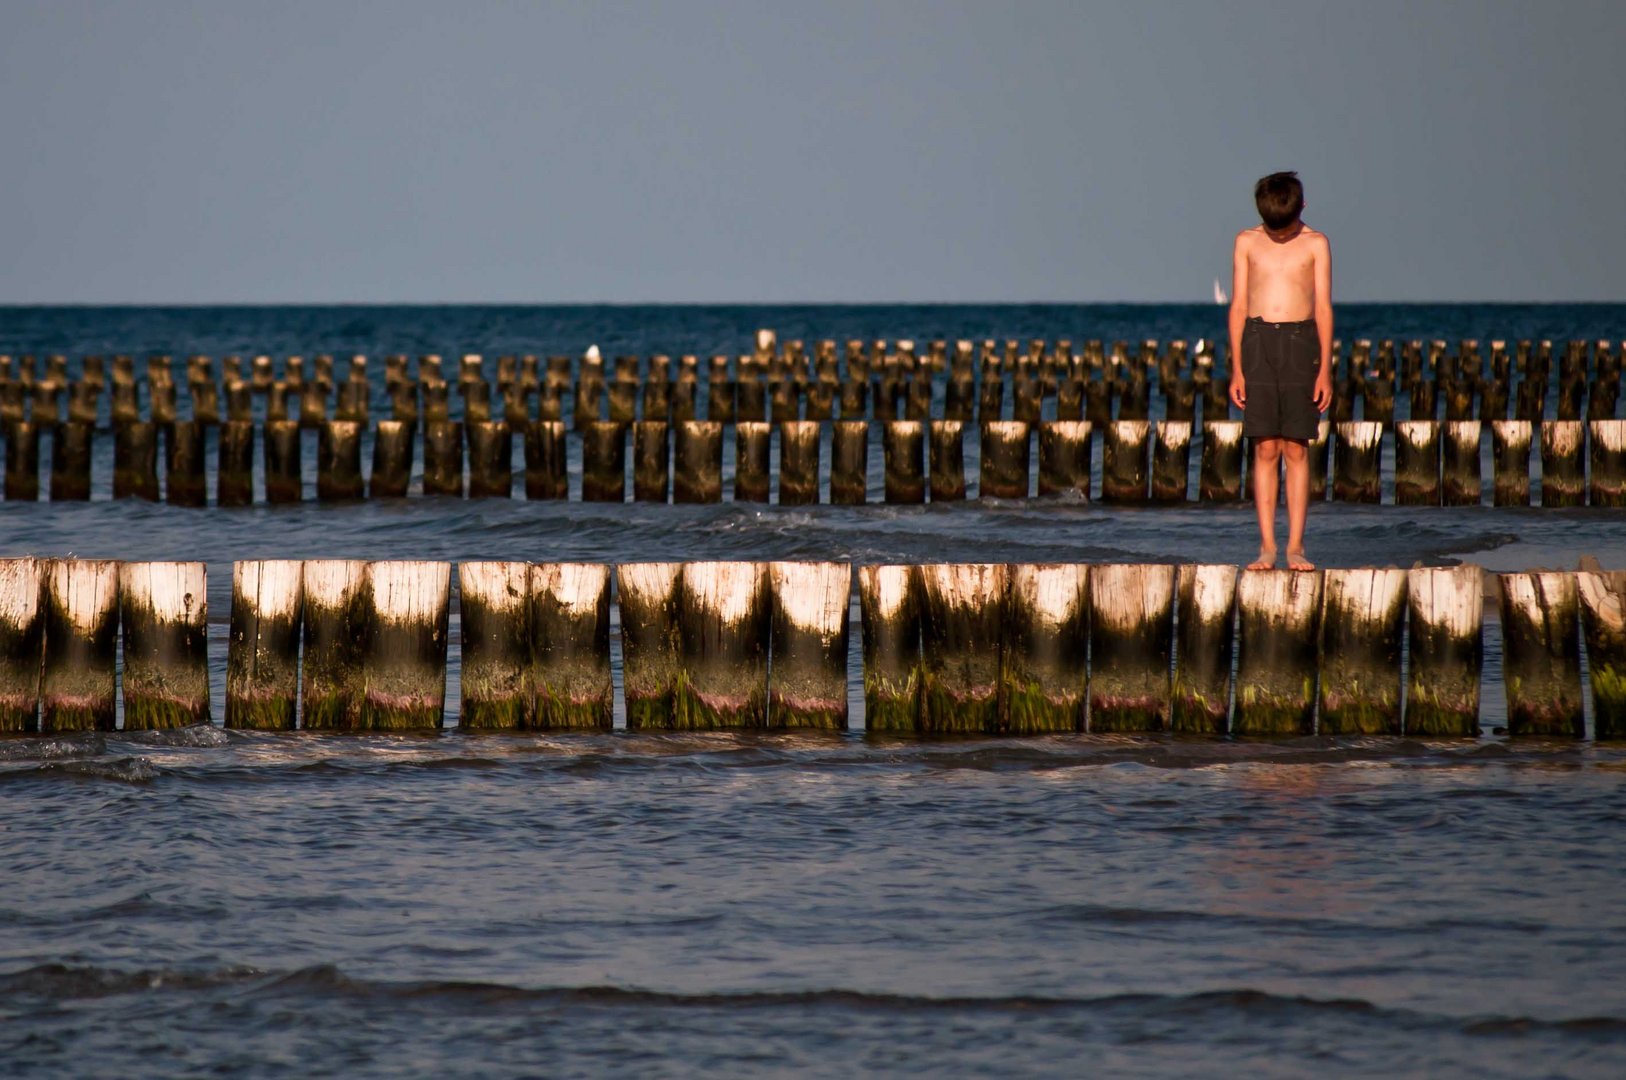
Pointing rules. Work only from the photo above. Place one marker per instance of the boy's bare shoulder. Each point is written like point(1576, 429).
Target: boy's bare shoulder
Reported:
point(1317, 238)
point(1247, 236)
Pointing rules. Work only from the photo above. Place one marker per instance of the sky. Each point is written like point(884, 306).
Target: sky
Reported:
point(698, 151)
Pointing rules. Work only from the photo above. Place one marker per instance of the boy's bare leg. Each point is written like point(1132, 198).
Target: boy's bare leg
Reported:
point(1266, 454)
point(1297, 456)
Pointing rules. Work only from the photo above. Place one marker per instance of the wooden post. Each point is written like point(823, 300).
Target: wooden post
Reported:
point(284, 481)
point(697, 472)
point(234, 464)
point(165, 611)
point(1064, 458)
point(22, 461)
point(1171, 461)
point(752, 482)
point(404, 667)
point(1276, 652)
point(334, 611)
point(651, 653)
point(1131, 636)
point(546, 476)
point(947, 460)
point(750, 401)
point(1541, 654)
point(1603, 617)
point(854, 399)
point(1417, 463)
point(1445, 652)
point(1561, 481)
point(799, 463)
point(443, 458)
point(1463, 483)
point(1362, 621)
point(723, 614)
point(70, 461)
point(1123, 466)
point(720, 402)
point(903, 442)
point(1003, 464)
point(570, 647)
point(1510, 456)
point(604, 461)
point(81, 630)
point(1201, 696)
point(889, 606)
point(962, 646)
point(392, 459)
point(1608, 484)
point(651, 468)
point(22, 628)
point(338, 461)
point(1356, 457)
point(807, 679)
point(262, 656)
point(849, 462)
point(491, 459)
point(494, 615)
point(1221, 476)
point(1047, 640)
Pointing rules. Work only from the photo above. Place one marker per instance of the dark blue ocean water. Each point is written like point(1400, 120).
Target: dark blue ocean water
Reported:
point(208, 902)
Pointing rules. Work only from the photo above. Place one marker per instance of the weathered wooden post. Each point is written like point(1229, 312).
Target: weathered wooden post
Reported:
point(164, 609)
point(651, 468)
point(491, 459)
point(546, 476)
point(234, 464)
point(697, 475)
point(807, 680)
point(1510, 456)
point(284, 480)
point(1417, 463)
point(70, 461)
point(22, 630)
point(651, 641)
point(1171, 461)
point(1607, 486)
point(1463, 483)
point(720, 401)
point(799, 463)
point(890, 611)
point(1123, 461)
point(1318, 461)
point(81, 629)
point(392, 459)
point(1131, 636)
point(1561, 481)
point(262, 656)
point(570, 647)
point(752, 482)
point(904, 444)
point(1362, 621)
point(750, 401)
point(854, 399)
point(1064, 458)
point(1004, 462)
point(404, 666)
point(1220, 479)
point(1356, 457)
point(1603, 618)
point(338, 461)
point(1445, 654)
point(1206, 617)
point(946, 454)
point(723, 614)
point(1278, 619)
point(494, 606)
point(962, 646)
point(1541, 654)
point(22, 461)
point(334, 611)
point(849, 462)
point(443, 458)
point(1046, 637)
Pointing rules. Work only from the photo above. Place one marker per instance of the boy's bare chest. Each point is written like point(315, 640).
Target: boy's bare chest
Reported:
point(1289, 261)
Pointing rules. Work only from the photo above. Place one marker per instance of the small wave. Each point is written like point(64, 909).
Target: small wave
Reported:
point(205, 736)
point(52, 747)
point(128, 770)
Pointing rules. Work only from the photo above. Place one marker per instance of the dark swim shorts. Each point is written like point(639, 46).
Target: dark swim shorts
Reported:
point(1280, 362)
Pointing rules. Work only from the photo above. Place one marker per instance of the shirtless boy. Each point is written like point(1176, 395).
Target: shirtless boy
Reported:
point(1281, 354)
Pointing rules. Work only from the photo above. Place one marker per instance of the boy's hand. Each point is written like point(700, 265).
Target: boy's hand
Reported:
point(1239, 391)
point(1323, 391)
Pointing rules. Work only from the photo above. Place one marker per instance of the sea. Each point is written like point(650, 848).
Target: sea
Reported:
point(204, 902)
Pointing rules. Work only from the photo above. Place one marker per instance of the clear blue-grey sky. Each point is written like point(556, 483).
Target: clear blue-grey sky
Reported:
point(335, 151)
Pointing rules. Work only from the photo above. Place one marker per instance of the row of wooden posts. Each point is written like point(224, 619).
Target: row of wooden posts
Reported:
point(1435, 462)
point(947, 648)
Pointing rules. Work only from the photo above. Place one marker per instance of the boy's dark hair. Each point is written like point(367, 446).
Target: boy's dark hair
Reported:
point(1280, 199)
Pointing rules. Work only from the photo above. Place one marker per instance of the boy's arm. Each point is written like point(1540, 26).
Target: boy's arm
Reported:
point(1238, 320)
point(1323, 322)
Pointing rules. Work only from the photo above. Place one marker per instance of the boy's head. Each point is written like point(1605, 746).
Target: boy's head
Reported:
point(1280, 198)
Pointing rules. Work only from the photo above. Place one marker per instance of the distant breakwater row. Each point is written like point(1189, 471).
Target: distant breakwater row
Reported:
point(989, 649)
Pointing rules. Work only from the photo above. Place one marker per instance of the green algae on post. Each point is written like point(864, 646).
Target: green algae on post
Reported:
point(1510, 462)
point(890, 613)
point(1131, 636)
point(752, 482)
point(1357, 453)
point(262, 654)
point(1462, 482)
point(1278, 616)
point(392, 459)
point(1561, 481)
point(807, 678)
point(1603, 618)
point(570, 646)
point(443, 458)
point(546, 475)
point(1003, 460)
point(494, 620)
point(903, 444)
point(165, 611)
point(1607, 486)
point(697, 468)
point(723, 615)
point(338, 461)
point(849, 462)
point(1541, 654)
point(1362, 622)
point(404, 663)
point(22, 628)
point(1445, 651)
point(334, 614)
point(1171, 461)
point(491, 459)
point(81, 629)
point(70, 461)
point(1047, 642)
point(1220, 475)
point(651, 468)
point(651, 641)
point(1417, 463)
point(962, 646)
point(1064, 458)
point(1205, 626)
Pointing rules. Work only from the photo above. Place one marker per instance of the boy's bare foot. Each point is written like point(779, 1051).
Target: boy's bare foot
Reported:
point(1297, 561)
point(1265, 561)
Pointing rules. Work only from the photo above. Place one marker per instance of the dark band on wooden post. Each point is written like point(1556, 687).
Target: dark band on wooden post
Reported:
point(334, 613)
point(1171, 461)
point(1004, 462)
point(1220, 479)
point(22, 632)
point(723, 613)
point(1562, 482)
point(234, 464)
point(1131, 635)
point(799, 462)
point(165, 612)
point(807, 682)
point(1362, 621)
point(1603, 618)
point(962, 646)
point(443, 458)
point(262, 655)
point(1445, 653)
point(1510, 457)
point(494, 617)
point(546, 474)
point(1607, 486)
point(338, 461)
point(697, 462)
point(1357, 453)
point(1123, 461)
point(404, 667)
point(392, 459)
point(81, 630)
point(491, 459)
point(904, 444)
point(570, 646)
point(1047, 639)
point(1417, 463)
point(1201, 696)
point(752, 478)
point(1278, 615)
point(1541, 654)
point(849, 462)
point(946, 454)
point(1064, 458)
point(651, 468)
point(889, 609)
point(1462, 482)
point(284, 480)
point(651, 641)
